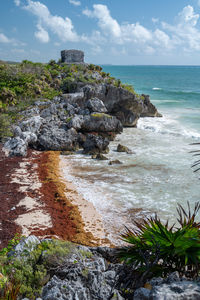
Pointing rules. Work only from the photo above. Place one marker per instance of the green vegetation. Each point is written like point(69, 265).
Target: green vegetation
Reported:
point(158, 249)
point(21, 84)
point(27, 274)
point(100, 115)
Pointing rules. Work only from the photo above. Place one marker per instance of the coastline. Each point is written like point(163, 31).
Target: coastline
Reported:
point(91, 219)
point(37, 199)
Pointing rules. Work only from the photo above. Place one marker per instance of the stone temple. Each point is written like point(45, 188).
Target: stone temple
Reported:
point(72, 56)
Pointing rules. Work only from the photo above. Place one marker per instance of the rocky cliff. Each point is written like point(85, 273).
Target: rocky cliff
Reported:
point(89, 113)
point(51, 270)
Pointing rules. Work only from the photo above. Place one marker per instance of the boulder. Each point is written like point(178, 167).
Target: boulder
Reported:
point(149, 110)
point(74, 98)
point(176, 291)
point(95, 144)
point(100, 122)
point(126, 106)
point(96, 105)
point(15, 147)
point(76, 122)
point(121, 148)
point(25, 246)
point(29, 137)
point(115, 162)
point(58, 139)
point(100, 156)
point(33, 124)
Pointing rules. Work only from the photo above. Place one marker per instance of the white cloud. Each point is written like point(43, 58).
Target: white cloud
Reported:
point(181, 36)
point(4, 39)
point(75, 2)
point(185, 33)
point(162, 38)
point(187, 16)
point(136, 33)
point(109, 25)
point(63, 28)
point(42, 35)
point(17, 2)
point(156, 20)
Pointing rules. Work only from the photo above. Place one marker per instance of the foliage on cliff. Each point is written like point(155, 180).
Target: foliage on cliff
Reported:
point(23, 83)
point(24, 275)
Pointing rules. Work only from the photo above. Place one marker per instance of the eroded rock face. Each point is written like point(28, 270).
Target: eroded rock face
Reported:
point(170, 288)
point(72, 56)
point(58, 139)
point(95, 144)
point(127, 107)
point(65, 122)
point(100, 122)
point(96, 105)
point(15, 147)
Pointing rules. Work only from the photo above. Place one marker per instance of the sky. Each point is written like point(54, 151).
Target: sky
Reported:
point(128, 32)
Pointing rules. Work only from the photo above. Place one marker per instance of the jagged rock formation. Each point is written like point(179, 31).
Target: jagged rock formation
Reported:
point(72, 56)
point(86, 118)
point(94, 273)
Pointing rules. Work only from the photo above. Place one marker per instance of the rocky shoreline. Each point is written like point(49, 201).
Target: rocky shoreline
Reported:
point(86, 119)
point(39, 204)
point(70, 271)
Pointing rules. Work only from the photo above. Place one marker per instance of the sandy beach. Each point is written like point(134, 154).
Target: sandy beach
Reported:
point(37, 199)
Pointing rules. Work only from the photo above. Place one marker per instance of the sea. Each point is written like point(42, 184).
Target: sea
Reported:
point(158, 175)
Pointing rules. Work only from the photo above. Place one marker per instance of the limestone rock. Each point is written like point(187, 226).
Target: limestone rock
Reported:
point(96, 105)
point(33, 124)
point(76, 122)
point(17, 131)
point(29, 137)
point(95, 144)
point(15, 147)
point(100, 122)
point(121, 148)
point(126, 106)
point(182, 290)
point(149, 110)
point(26, 245)
point(58, 139)
point(101, 157)
point(142, 294)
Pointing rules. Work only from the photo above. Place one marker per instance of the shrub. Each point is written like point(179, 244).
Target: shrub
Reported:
point(5, 123)
point(25, 276)
point(129, 88)
point(160, 249)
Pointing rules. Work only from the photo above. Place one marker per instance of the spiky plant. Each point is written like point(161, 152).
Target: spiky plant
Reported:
point(154, 247)
point(196, 164)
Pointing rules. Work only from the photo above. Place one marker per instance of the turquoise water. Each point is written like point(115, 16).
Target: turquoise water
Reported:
point(158, 175)
point(173, 89)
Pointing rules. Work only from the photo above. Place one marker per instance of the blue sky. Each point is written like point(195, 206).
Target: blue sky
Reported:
point(109, 32)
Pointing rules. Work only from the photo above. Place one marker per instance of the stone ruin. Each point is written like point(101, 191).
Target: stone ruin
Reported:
point(72, 56)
